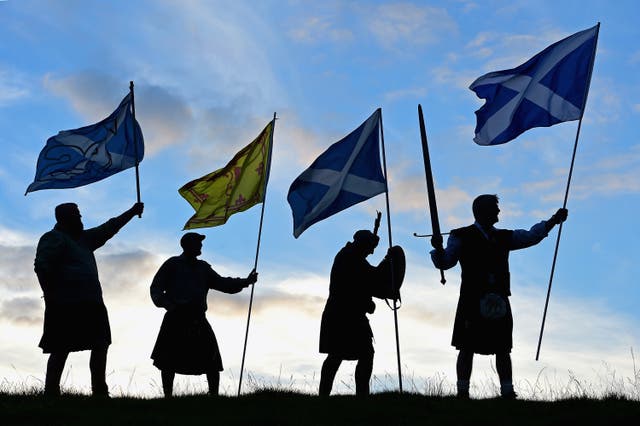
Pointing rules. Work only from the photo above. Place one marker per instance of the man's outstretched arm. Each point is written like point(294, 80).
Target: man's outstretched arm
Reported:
point(101, 234)
point(522, 238)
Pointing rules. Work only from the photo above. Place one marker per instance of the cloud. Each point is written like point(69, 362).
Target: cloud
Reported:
point(606, 177)
point(405, 23)
point(406, 198)
point(287, 308)
point(16, 268)
point(267, 301)
point(127, 274)
point(499, 50)
point(315, 29)
point(299, 144)
point(226, 50)
point(446, 76)
point(26, 311)
point(165, 118)
point(408, 93)
point(605, 105)
point(12, 87)
point(227, 127)
point(470, 6)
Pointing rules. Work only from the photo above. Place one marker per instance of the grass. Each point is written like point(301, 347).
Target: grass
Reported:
point(286, 401)
point(277, 407)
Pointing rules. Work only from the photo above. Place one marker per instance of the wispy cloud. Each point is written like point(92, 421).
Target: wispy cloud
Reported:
point(12, 87)
point(500, 50)
point(607, 177)
point(399, 24)
point(316, 29)
point(408, 93)
point(448, 76)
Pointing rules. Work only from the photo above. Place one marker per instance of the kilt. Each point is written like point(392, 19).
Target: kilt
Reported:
point(75, 327)
point(348, 337)
point(472, 332)
point(186, 344)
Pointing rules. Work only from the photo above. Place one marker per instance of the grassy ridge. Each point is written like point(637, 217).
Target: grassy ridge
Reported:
point(289, 408)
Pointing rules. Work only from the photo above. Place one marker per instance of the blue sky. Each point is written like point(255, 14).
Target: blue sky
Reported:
point(210, 75)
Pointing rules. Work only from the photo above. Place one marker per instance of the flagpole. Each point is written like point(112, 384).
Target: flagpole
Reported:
point(135, 142)
point(393, 285)
point(566, 193)
point(255, 263)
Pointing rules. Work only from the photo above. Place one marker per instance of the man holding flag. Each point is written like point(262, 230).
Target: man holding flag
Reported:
point(550, 88)
point(186, 343)
point(236, 187)
point(483, 322)
point(75, 317)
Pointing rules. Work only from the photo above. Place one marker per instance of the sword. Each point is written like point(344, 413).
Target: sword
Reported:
point(431, 192)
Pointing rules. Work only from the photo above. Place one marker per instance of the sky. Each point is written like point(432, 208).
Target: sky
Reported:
point(209, 76)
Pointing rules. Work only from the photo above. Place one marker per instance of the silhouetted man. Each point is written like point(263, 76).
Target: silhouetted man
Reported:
point(186, 343)
point(75, 317)
point(483, 322)
point(345, 333)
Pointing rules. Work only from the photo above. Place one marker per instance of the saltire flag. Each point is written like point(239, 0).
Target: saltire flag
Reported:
point(236, 187)
point(347, 173)
point(82, 156)
point(548, 89)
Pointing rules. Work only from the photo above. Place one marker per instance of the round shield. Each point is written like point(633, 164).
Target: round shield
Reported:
point(390, 274)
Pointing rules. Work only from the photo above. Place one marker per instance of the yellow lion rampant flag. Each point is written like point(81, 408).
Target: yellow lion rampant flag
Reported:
point(236, 187)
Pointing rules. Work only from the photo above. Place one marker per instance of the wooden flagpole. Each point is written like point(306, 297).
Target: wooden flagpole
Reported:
point(395, 307)
point(135, 142)
point(566, 193)
point(255, 264)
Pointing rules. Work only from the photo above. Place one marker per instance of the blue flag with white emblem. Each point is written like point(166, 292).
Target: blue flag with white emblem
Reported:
point(347, 173)
point(548, 89)
point(82, 156)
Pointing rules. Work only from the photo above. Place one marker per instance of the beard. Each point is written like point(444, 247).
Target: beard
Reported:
point(73, 228)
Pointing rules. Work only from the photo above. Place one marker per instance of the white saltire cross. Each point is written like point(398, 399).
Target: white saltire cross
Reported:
point(342, 180)
point(529, 87)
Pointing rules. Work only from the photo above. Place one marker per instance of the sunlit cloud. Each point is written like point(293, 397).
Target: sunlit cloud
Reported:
point(22, 310)
point(292, 301)
point(16, 268)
